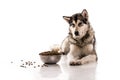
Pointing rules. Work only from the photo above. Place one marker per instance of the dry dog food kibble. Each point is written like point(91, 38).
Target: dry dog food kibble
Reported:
point(22, 66)
point(27, 64)
point(30, 64)
point(44, 65)
point(38, 65)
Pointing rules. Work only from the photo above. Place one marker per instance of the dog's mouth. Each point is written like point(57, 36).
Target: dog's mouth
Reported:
point(77, 37)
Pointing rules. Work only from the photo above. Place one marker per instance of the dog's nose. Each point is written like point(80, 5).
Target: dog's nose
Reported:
point(76, 33)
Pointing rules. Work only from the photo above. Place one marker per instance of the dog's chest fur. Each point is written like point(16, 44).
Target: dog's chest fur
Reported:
point(89, 38)
point(85, 45)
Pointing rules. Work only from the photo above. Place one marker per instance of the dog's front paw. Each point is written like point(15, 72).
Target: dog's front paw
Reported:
point(74, 63)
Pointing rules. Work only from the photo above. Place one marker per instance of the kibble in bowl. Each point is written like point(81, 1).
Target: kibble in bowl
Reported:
point(50, 57)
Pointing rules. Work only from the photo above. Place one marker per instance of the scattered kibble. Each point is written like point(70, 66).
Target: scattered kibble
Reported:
point(38, 65)
point(44, 65)
point(30, 64)
point(26, 64)
point(22, 66)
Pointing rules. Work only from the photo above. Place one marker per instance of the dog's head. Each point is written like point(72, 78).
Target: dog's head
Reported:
point(79, 24)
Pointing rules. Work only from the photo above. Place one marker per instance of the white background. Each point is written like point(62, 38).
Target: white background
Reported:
point(28, 27)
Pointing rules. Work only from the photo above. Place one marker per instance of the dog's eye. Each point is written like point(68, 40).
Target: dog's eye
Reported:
point(73, 25)
point(80, 24)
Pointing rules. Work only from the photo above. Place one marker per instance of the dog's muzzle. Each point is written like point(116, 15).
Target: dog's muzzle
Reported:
point(76, 33)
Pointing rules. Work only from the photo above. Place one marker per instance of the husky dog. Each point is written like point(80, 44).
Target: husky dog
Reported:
point(79, 45)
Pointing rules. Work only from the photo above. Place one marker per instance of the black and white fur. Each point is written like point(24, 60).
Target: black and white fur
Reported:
point(79, 45)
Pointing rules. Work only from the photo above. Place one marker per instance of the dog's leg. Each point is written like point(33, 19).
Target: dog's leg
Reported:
point(90, 55)
point(84, 60)
point(87, 59)
point(73, 55)
point(65, 46)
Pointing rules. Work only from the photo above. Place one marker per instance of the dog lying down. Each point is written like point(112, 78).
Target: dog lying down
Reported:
point(79, 45)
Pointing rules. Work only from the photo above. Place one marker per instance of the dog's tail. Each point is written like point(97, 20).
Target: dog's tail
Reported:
point(55, 47)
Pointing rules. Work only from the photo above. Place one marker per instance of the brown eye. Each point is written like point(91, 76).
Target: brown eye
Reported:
point(80, 24)
point(73, 25)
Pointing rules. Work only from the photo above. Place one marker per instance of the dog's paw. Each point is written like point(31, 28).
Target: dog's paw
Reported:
point(74, 63)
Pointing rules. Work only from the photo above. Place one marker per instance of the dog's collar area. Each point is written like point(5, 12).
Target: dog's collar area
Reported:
point(82, 39)
point(74, 41)
point(85, 37)
point(79, 42)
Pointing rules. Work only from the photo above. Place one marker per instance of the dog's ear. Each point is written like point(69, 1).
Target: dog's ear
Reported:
point(85, 14)
point(67, 18)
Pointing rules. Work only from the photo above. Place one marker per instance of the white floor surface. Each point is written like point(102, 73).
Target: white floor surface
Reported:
point(60, 71)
